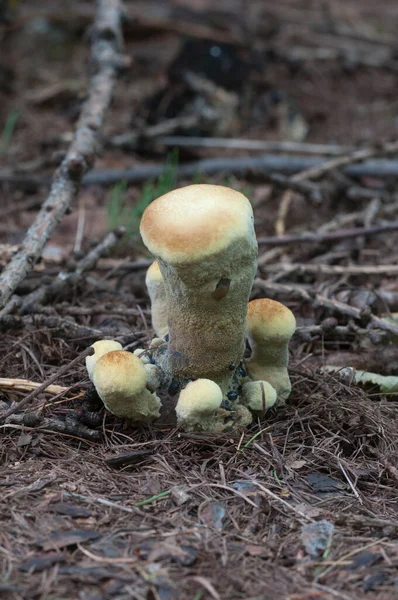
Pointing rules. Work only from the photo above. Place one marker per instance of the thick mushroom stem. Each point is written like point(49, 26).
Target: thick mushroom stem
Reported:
point(120, 379)
point(204, 241)
point(157, 294)
point(270, 325)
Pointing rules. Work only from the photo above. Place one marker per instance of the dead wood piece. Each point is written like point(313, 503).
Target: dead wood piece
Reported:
point(87, 352)
point(66, 281)
point(261, 166)
point(25, 385)
point(180, 141)
point(69, 329)
point(68, 426)
point(325, 167)
point(381, 270)
point(320, 238)
point(335, 306)
point(106, 61)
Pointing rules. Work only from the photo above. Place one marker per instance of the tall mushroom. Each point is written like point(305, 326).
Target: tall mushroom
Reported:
point(270, 325)
point(203, 239)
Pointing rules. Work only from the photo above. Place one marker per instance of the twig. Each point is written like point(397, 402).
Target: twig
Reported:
point(106, 61)
point(329, 303)
point(70, 329)
point(332, 269)
point(181, 141)
point(66, 281)
point(129, 141)
point(325, 167)
point(25, 385)
point(320, 238)
point(87, 352)
point(260, 165)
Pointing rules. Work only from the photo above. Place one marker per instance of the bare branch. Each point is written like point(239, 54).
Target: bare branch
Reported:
point(106, 60)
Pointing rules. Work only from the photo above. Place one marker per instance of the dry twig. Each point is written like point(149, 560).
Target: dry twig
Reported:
point(321, 238)
point(106, 60)
point(87, 352)
point(325, 167)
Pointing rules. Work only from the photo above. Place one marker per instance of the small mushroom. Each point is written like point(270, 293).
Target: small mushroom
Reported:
point(157, 294)
point(142, 355)
point(153, 377)
point(100, 348)
point(270, 325)
point(120, 379)
point(197, 405)
point(258, 396)
point(203, 239)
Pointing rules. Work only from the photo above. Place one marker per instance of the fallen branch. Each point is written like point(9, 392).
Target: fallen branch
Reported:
point(25, 385)
point(321, 238)
point(106, 60)
point(325, 167)
point(28, 399)
point(335, 306)
point(318, 269)
point(261, 166)
point(69, 329)
point(66, 281)
point(182, 141)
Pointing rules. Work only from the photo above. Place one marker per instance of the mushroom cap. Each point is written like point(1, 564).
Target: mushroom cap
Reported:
point(200, 397)
point(100, 348)
point(153, 274)
point(259, 396)
point(194, 222)
point(119, 372)
point(270, 319)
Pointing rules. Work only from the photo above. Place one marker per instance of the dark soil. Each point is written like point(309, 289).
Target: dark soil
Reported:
point(154, 513)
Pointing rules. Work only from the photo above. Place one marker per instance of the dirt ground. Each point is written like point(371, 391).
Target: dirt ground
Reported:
point(302, 506)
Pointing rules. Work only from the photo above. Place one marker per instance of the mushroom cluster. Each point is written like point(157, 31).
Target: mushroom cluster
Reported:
point(203, 241)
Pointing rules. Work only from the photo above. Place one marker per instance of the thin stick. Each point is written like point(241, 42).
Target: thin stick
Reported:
point(87, 352)
point(181, 141)
point(288, 506)
point(106, 61)
point(66, 281)
point(320, 238)
point(331, 269)
point(261, 166)
point(25, 385)
point(325, 167)
point(328, 303)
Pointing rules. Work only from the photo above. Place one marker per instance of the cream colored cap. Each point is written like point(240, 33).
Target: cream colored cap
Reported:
point(200, 397)
point(153, 273)
point(270, 319)
point(259, 396)
point(119, 371)
point(194, 222)
point(100, 348)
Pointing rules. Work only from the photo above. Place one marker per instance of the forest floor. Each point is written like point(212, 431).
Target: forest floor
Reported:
point(303, 506)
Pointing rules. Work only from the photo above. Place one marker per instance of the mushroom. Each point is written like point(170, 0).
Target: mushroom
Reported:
point(258, 396)
point(204, 241)
point(120, 379)
point(197, 405)
point(270, 325)
point(157, 294)
point(100, 348)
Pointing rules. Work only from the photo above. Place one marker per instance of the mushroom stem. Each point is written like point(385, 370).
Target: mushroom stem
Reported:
point(204, 241)
point(270, 325)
